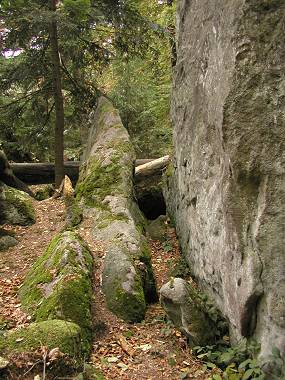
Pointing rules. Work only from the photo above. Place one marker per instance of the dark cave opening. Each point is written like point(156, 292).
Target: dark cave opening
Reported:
point(152, 205)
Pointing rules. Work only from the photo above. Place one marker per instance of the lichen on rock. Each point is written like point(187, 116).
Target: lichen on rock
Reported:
point(59, 284)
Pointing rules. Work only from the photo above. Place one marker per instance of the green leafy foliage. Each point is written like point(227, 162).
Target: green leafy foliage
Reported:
point(236, 363)
point(276, 365)
point(139, 85)
point(91, 34)
point(180, 269)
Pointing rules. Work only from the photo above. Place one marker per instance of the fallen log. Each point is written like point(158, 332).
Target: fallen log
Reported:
point(36, 173)
point(40, 173)
point(142, 161)
point(8, 177)
point(151, 168)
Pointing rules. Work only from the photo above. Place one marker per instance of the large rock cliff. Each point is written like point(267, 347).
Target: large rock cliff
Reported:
point(227, 193)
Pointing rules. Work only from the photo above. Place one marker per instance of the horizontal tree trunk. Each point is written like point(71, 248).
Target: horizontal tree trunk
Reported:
point(40, 173)
point(151, 168)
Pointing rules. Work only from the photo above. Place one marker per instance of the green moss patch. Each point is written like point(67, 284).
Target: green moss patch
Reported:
point(100, 182)
point(51, 334)
point(59, 284)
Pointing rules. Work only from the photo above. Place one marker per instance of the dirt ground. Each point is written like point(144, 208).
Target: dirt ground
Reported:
point(150, 350)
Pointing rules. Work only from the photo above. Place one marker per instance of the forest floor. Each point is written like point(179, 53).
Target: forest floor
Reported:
point(150, 350)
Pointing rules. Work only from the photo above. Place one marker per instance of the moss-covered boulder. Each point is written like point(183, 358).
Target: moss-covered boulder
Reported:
point(66, 336)
point(59, 284)
point(16, 207)
point(157, 229)
point(7, 240)
point(105, 189)
point(44, 192)
point(90, 373)
point(122, 285)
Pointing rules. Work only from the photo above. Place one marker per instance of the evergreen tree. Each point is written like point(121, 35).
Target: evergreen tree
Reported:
point(51, 45)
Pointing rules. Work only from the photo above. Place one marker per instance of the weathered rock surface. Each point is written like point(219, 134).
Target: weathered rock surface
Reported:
point(105, 189)
point(228, 193)
point(58, 285)
point(183, 307)
point(16, 207)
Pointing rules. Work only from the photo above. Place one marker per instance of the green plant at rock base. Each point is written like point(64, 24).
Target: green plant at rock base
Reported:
point(276, 367)
point(180, 269)
point(237, 362)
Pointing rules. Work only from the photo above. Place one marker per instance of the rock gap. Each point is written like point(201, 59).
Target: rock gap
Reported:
point(152, 205)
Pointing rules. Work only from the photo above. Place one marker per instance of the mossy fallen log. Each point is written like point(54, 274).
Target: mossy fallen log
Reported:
point(35, 173)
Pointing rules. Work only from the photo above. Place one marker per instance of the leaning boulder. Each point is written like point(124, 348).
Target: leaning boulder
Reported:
point(105, 190)
point(184, 308)
point(59, 284)
point(16, 207)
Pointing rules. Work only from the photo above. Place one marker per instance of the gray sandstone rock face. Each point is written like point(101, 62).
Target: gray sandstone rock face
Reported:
point(182, 306)
point(105, 189)
point(227, 193)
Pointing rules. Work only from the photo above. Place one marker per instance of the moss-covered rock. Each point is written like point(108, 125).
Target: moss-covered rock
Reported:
point(16, 207)
point(105, 189)
point(122, 285)
point(51, 334)
point(45, 192)
point(108, 160)
point(90, 373)
point(59, 284)
point(157, 228)
point(7, 240)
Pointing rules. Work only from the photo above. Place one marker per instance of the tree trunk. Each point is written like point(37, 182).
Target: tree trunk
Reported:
point(36, 173)
point(151, 168)
point(58, 99)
